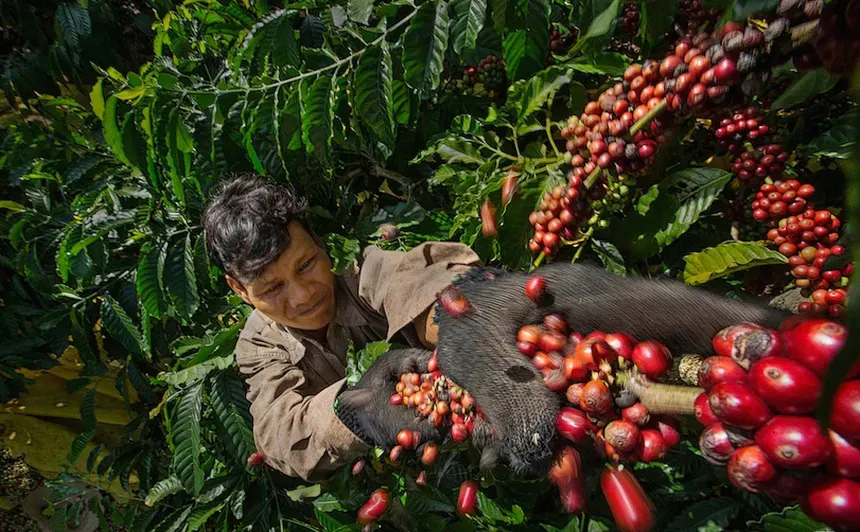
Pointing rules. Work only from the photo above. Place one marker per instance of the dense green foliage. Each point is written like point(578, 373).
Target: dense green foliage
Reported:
point(120, 117)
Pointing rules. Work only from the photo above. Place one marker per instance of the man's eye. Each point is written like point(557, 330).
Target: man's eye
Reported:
point(306, 264)
point(273, 289)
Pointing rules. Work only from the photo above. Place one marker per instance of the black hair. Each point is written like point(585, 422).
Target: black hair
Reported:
point(246, 222)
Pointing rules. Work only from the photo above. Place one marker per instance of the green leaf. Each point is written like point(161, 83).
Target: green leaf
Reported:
point(657, 18)
point(74, 23)
point(139, 381)
point(179, 278)
point(12, 206)
point(111, 131)
point(317, 116)
point(600, 24)
point(163, 488)
point(402, 103)
point(373, 97)
point(175, 521)
point(610, 63)
point(202, 513)
point(695, 190)
point(790, 519)
point(120, 326)
point(424, 46)
point(232, 411)
point(150, 270)
point(185, 437)
point(359, 10)
point(453, 150)
point(81, 340)
point(727, 258)
point(357, 363)
point(720, 511)
point(527, 96)
point(470, 19)
point(811, 84)
point(196, 372)
point(343, 252)
point(839, 141)
point(79, 443)
point(524, 50)
point(97, 99)
point(273, 37)
point(609, 256)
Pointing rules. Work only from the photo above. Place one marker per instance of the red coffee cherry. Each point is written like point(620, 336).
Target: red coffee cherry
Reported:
point(738, 405)
point(636, 414)
point(622, 344)
point(651, 446)
point(752, 346)
point(405, 439)
point(724, 340)
point(835, 501)
point(717, 369)
point(622, 435)
point(787, 386)
point(845, 460)
point(794, 441)
point(459, 432)
point(429, 454)
point(256, 458)
point(669, 427)
point(814, 343)
point(453, 302)
point(573, 424)
point(374, 507)
point(467, 499)
point(596, 398)
point(702, 410)
point(652, 359)
point(631, 508)
point(750, 469)
point(536, 288)
point(845, 414)
point(715, 444)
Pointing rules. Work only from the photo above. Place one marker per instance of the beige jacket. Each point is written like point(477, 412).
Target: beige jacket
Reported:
point(293, 380)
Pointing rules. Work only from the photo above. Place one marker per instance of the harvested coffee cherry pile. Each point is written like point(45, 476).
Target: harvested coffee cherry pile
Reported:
point(438, 400)
point(761, 391)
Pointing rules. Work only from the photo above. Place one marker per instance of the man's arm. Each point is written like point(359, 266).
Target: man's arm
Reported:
point(299, 432)
point(426, 327)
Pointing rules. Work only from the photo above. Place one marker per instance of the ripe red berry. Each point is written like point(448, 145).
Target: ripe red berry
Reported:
point(631, 508)
point(715, 444)
point(834, 501)
point(669, 427)
point(845, 414)
point(596, 397)
point(405, 439)
point(750, 469)
point(623, 435)
point(787, 386)
point(374, 507)
point(738, 405)
point(785, 487)
point(702, 410)
point(724, 340)
point(622, 344)
point(752, 346)
point(814, 343)
point(845, 460)
point(453, 302)
point(574, 369)
point(467, 499)
point(717, 369)
point(536, 288)
point(459, 432)
point(794, 441)
point(256, 458)
point(636, 414)
point(651, 446)
point(573, 424)
point(652, 359)
point(551, 342)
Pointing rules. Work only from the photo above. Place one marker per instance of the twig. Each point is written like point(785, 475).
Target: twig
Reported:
point(547, 124)
point(583, 244)
point(651, 115)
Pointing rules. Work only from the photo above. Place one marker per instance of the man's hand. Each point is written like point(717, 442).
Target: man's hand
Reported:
point(365, 408)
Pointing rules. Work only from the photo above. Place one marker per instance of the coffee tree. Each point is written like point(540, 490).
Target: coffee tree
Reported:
point(708, 141)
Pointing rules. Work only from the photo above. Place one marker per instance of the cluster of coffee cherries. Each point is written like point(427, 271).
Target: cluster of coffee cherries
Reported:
point(560, 42)
point(761, 391)
point(630, 18)
point(837, 42)
point(808, 237)
point(487, 79)
point(693, 14)
point(753, 166)
point(585, 368)
point(775, 201)
point(742, 126)
point(438, 399)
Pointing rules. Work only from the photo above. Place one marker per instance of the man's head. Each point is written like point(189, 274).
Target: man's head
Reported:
point(255, 233)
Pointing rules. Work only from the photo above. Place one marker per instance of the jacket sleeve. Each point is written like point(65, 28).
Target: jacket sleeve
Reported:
point(297, 430)
point(401, 285)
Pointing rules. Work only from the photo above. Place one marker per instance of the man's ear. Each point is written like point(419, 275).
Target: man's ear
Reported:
point(239, 289)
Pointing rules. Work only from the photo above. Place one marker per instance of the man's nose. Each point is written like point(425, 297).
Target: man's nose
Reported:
point(300, 296)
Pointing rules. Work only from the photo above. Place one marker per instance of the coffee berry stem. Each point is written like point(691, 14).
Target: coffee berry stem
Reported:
point(651, 115)
point(660, 398)
point(587, 237)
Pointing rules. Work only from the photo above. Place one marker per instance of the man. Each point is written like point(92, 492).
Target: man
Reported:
point(292, 348)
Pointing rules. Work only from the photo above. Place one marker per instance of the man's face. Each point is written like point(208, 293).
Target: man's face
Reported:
point(297, 289)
